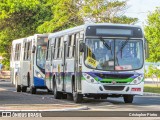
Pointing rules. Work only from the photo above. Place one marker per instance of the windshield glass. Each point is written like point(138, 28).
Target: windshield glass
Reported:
point(113, 54)
point(41, 52)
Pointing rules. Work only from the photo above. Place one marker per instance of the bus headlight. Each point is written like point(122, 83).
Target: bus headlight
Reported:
point(89, 78)
point(137, 80)
point(39, 75)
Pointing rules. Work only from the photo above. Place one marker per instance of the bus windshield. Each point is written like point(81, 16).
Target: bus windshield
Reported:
point(114, 54)
point(41, 56)
point(41, 52)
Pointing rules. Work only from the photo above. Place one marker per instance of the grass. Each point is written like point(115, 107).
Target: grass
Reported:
point(151, 88)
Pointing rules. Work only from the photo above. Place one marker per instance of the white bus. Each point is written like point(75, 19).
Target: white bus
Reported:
point(28, 63)
point(96, 60)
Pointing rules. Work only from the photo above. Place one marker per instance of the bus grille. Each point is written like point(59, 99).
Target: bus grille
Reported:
point(116, 88)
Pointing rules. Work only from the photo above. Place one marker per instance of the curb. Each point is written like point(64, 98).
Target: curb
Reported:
point(67, 109)
point(151, 94)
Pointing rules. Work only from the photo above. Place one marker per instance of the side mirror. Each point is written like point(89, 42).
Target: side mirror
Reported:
point(82, 47)
point(146, 49)
point(33, 49)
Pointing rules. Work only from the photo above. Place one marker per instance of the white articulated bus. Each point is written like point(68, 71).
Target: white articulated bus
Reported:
point(28, 62)
point(96, 60)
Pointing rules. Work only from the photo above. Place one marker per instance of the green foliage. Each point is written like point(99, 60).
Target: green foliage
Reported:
point(154, 74)
point(65, 15)
point(105, 11)
point(151, 89)
point(22, 18)
point(153, 35)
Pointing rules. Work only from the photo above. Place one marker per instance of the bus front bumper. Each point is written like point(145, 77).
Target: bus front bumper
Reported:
point(112, 89)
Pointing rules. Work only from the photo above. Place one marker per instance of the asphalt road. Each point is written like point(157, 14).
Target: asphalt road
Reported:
point(8, 96)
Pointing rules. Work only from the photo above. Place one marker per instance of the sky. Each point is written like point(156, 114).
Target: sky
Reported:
point(140, 9)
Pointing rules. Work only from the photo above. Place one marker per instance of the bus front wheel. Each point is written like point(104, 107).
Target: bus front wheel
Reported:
point(32, 90)
point(128, 98)
point(78, 98)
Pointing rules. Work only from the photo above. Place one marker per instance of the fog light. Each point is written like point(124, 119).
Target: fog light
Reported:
point(101, 89)
point(92, 80)
point(127, 89)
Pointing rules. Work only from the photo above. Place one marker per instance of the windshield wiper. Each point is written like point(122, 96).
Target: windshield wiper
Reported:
point(124, 44)
point(108, 47)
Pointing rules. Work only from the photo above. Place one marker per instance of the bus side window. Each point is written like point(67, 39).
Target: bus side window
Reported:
point(61, 45)
point(60, 41)
point(25, 48)
point(54, 50)
point(19, 50)
point(29, 51)
point(58, 47)
point(73, 44)
point(48, 51)
point(69, 47)
point(76, 36)
point(15, 54)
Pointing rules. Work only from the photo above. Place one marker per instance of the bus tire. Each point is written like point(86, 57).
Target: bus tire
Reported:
point(103, 97)
point(97, 97)
point(24, 89)
point(69, 96)
point(28, 79)
point(57, 94)
point(64, 96)
point(128, 98)
point(32, 90)
point(18, 87)
point(77, 98)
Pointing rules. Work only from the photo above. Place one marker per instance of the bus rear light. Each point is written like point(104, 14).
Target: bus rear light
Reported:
point(136, 89)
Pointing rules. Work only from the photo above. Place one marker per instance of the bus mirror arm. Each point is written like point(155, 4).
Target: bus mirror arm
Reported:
point(33, 49)
point(82, 47)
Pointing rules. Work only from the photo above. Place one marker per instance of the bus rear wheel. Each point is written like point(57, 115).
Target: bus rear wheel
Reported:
point(57, 94)
point(128, 98)
point(18, 87)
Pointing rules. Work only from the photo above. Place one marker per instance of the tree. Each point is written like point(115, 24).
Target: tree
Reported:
point(70, 13)
point(20, 18)
point(152, 33)
point(154, 74)
point(64, 15)
point(111, 11)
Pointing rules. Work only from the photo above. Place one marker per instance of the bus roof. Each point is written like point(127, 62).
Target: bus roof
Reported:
point(82, 27)
point(18, 40)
